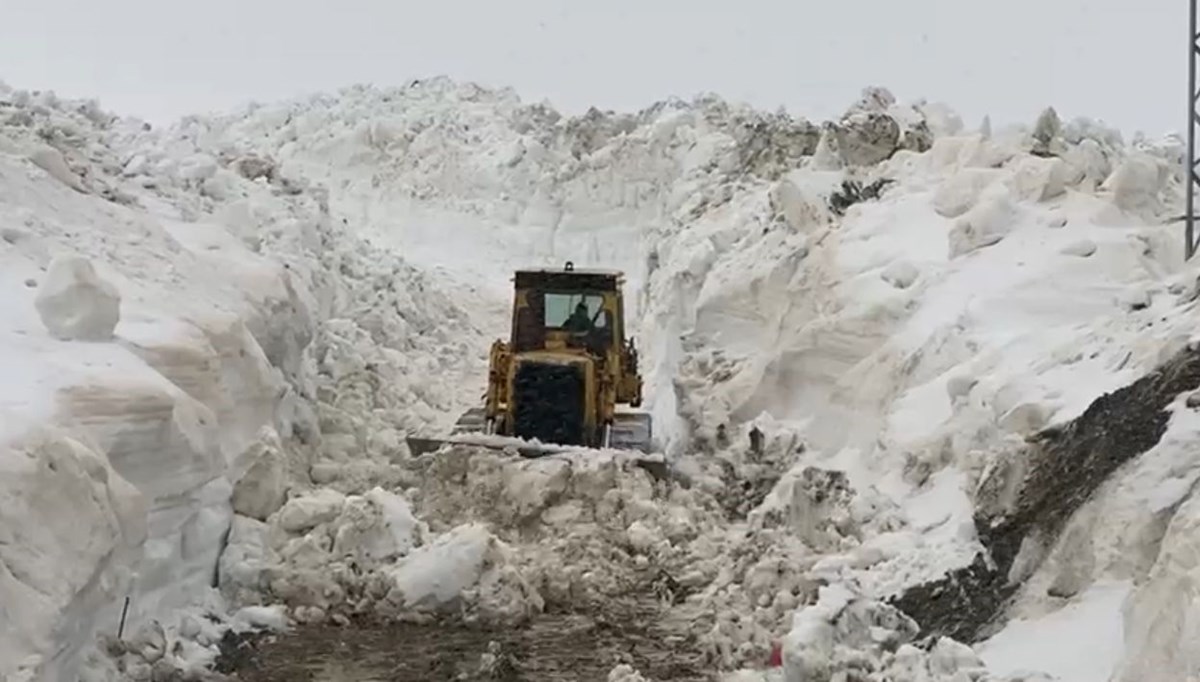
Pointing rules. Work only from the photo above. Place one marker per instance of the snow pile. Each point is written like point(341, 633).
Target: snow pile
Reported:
point(586, 527)
point(327, 555)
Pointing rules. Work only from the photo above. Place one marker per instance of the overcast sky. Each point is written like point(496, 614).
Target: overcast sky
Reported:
point(1121, 61)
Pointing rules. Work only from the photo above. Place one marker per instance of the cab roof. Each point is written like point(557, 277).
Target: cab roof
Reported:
point(573, 270)
point(569, 277)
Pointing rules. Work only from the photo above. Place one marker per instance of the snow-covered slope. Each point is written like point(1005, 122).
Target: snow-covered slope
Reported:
point(897, 302)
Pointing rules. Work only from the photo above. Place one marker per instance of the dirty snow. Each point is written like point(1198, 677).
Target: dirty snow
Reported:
point(275, 297)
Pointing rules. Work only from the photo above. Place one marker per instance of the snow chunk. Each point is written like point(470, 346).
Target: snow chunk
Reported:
point(243, 564)
point(841, 630)
point(253, 167)
point(802, 198)
point(868, 139)
point(949, 657)
point(378, 526)
point(625, 673)
point(900, 274)
point(466, 565)
point(872, 99)
point(958, 194)
point(1056, 221)
point(149, 642)
point(51, 160)
point(75, 303)
point(310, 510)
point(197, 168)
point(1087, 164)
point(984, 225)
point(1082, 248)
point(265, 617)
point(825, 157)
point(261, 490)
point(1136, 182)
point(1038, 179)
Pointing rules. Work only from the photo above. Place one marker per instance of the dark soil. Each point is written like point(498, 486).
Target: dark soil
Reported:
point(560, 646)
point(1067, 465)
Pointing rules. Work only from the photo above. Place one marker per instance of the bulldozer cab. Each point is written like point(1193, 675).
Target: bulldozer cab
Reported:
point(568, 310)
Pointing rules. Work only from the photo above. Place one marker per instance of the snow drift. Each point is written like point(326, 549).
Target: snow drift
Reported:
point(219, 335)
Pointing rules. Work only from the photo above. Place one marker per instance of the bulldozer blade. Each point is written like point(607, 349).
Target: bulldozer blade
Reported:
point(654, 464)
point(472, 421)
point(631, 431)
point(420, 446)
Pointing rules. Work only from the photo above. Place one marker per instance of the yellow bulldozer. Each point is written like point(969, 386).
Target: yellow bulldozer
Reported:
point(556, 384)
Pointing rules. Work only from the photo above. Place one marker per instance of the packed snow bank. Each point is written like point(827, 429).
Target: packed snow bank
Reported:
point(178, 341)
point(1118, 557)
point(45, 472)
point(146, 408)
point(1078, 643)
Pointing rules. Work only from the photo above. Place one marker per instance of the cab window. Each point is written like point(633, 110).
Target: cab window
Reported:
point(559, 308)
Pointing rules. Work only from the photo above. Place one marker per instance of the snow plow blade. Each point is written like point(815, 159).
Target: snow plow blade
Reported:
point(630, 432)
point(421, 446)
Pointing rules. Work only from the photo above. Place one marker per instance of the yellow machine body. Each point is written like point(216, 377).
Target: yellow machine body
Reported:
point(566, 367)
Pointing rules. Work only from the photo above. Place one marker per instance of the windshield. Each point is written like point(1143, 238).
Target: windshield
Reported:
point(562, 310)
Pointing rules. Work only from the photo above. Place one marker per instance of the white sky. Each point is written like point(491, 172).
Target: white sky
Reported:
point(1121, 61)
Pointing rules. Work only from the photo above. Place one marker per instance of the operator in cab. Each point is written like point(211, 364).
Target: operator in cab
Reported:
point(579, 322)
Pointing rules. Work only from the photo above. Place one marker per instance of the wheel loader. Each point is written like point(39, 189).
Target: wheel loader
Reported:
point(557, 382)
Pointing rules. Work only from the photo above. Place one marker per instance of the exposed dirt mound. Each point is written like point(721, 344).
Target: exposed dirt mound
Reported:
point(1065, 466)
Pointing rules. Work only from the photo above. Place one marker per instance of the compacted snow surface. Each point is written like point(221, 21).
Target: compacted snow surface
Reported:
point(1080, 642)
point(215, 337)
